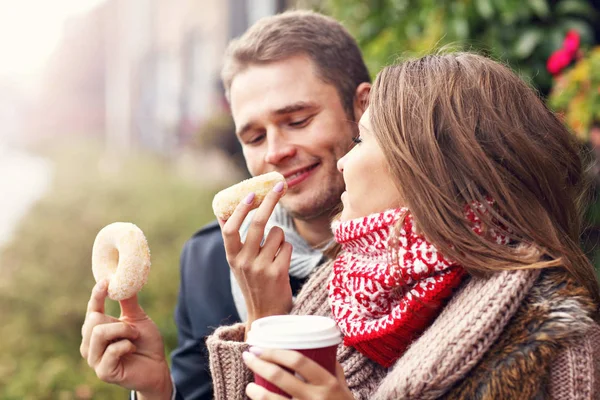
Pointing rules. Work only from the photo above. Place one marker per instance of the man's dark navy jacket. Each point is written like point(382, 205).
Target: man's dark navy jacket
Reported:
point(205, 302)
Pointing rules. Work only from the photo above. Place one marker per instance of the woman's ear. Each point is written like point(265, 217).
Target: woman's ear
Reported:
point(361, 99)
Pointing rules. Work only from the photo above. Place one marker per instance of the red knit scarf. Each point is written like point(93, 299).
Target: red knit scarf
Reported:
point(381, 306)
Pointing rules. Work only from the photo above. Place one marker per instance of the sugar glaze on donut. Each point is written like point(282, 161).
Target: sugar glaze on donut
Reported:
point(121, 255)
point(225, 202)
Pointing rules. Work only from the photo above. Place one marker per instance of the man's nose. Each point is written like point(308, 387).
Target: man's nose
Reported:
point(278, 149)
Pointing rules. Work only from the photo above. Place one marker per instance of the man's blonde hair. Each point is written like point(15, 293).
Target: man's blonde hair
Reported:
point(335, 54)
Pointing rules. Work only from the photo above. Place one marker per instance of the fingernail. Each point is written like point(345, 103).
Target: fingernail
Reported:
point(257, 351)
point(247, 356)
point(250, 198)
point(279, 187)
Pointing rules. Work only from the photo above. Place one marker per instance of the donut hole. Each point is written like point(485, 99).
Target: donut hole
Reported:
point(113, 260)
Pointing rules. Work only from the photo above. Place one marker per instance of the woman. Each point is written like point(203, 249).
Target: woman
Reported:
point(460, 274)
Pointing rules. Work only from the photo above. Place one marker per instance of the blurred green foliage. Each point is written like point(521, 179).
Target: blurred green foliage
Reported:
point(46, 277)
point(522, 33)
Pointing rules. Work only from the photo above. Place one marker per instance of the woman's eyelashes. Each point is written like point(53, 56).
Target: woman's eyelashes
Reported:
point(357, 139)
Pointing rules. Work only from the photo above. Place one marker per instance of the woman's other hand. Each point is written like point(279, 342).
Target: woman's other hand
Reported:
point(307, 381)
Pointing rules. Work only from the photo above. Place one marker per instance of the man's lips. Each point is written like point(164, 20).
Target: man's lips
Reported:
point(295, 177)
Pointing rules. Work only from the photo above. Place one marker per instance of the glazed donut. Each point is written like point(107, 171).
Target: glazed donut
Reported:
point(121, 255)
point(225, 202)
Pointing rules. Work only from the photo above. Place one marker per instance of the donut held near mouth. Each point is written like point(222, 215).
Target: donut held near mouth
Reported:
point(225, 202)
point(121, 255)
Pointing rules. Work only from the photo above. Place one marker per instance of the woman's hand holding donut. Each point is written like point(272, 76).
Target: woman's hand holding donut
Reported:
point(261, 271)
point(127, 351)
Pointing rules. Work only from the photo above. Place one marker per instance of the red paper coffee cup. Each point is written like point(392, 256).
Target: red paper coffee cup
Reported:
point(314, 336)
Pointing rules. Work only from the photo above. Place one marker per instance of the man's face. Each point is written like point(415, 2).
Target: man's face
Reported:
point(290, 121)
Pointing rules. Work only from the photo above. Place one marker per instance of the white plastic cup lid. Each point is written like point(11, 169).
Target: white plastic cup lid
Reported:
point(294, 332)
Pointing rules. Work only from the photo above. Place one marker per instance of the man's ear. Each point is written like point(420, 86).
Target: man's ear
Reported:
point(361, 99)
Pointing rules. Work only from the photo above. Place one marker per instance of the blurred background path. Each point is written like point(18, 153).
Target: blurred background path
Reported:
point(24, 178)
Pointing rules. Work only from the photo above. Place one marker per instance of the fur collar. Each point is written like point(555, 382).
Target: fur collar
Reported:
point(555, 312)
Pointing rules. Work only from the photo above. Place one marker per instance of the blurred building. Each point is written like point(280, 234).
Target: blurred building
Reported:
point(143, 72)
point(71, 98)
point(11, 106)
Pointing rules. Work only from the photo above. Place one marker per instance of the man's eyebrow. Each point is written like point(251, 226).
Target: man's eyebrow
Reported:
point(299, 106)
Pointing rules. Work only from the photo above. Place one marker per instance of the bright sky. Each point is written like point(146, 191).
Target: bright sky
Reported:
point(29, 32)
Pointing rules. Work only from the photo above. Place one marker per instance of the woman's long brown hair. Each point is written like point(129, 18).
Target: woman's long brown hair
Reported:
point(459, 128)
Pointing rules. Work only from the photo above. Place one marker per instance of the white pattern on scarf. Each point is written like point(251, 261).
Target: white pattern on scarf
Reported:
point(304, 258)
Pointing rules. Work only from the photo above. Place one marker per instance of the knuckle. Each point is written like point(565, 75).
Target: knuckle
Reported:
point(90, 360)
point(231, 261)
point(228, 231)
point(95, 318)
point(103, 375)
point(258, 222)
point(98, 331)
point(284, 252)
point(83, 350)
point(333, 385)
point(297, 361)
point(273, 275)
point(256, 395)
point(276, 273)
point(276, 375)
point(96, 295)
point(246, 265)
point(114, 350)
point(277, 232)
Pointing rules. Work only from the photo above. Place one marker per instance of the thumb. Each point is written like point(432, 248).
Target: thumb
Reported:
point(131, 309)
point(339, 371)
point(339, 374)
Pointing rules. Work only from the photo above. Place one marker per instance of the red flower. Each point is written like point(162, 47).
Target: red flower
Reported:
point(571, 42)
point(559, 60)
point(562, 57)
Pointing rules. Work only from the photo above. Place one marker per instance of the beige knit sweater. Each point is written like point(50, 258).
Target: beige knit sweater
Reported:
point(447, 354)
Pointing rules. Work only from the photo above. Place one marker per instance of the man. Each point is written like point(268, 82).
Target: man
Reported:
point(297, 84)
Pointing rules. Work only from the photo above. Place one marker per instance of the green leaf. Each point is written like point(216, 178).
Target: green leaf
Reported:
point(527, 43)
point(461, 28)
point(484, 8)
point(540, 8)
point(509, 14)
point(576, 7)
